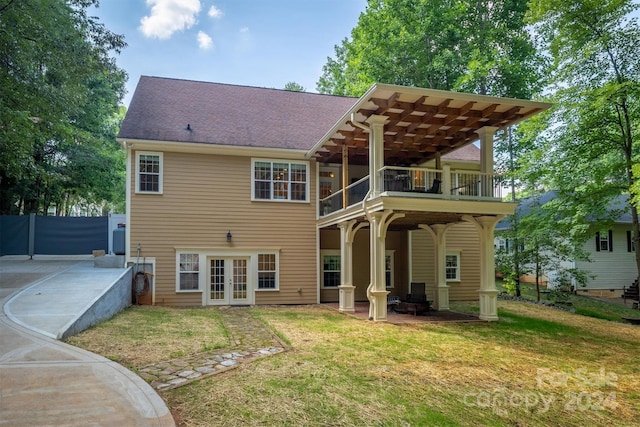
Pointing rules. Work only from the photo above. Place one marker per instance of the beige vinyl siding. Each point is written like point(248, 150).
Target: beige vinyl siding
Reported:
point(396, 241)
point(206, 196)
point(462, 238)
point(612, 270)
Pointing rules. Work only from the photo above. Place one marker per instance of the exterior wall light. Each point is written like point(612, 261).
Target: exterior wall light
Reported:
point(229, 236)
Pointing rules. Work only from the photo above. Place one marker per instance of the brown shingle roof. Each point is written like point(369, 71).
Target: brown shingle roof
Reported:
point(467, 152)
point(227, 114)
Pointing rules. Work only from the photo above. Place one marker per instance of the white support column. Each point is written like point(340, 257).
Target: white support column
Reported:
point(486, 159)
point(446, 182)
point(377, 290)
point(486, 134)
point(347, 289)
point(437, 232)
point(488, 292)
point(376, 153)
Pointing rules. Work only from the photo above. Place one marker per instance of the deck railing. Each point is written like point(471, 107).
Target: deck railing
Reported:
point(442, 183)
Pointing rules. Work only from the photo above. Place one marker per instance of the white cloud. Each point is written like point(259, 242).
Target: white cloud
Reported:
point(215, 13)
point(169, 16)
point(204, 41)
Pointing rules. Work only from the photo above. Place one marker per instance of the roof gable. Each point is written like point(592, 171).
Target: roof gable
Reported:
point(164, 109)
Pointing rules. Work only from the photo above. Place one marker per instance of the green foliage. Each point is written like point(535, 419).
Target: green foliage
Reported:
point(294, 87)
point(59, 93)
point(475, 46)
point(509, 283)
point(591, 141)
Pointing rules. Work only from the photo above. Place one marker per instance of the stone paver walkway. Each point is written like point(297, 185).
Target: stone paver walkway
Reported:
point(249, 338)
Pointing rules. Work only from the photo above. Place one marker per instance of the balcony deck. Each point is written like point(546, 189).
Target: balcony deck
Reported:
point(424, 195)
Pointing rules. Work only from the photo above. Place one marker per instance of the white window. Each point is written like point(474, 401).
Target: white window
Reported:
point(267, 271)
point(604, 241)
point(188, 272)
point(330, 269)
point(280, 180)
point(452, 267)
point(388, 269)
point(148, 172)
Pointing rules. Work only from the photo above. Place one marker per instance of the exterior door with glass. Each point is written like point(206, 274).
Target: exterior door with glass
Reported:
point(228, 281)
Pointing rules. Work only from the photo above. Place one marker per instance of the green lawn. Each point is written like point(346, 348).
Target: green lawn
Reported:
point(344, 371)
point(535, 367)
point(582, 304)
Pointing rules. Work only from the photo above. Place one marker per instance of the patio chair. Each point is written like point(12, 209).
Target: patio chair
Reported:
point(418, 292)
point(435, 187)
point(416, 301)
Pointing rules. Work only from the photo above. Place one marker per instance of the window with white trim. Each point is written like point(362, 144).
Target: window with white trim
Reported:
point(148, 172)
point(188, 272)
point(604, 241)
point(267, 271)
point(388, 269)
point(330, 269)
point(452, 267)
point(280, 180)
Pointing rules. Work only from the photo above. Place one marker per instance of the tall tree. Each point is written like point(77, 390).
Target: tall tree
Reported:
point(592, 141)
point(479, 46)
point(59, 85)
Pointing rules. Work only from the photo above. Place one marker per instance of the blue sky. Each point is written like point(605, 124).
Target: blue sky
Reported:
point(245, 42)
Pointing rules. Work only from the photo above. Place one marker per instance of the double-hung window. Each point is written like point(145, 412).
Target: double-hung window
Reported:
point(388, 269)
point(452, 267)
point(189, 272)
point(280, 180)
point(330, 269)
point(148, 172)
point(267, 271)
point(604, 241)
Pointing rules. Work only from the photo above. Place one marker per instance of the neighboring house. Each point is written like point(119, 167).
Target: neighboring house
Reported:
point(611, 252)
point(244, 195)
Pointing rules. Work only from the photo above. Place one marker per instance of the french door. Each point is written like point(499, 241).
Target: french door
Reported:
point(228, 281)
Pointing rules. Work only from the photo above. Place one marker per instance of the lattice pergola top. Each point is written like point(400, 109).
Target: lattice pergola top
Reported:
point(421, 123)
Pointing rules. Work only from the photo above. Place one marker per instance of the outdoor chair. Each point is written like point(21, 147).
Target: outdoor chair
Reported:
point(435, 188)
point(416, 302)
point(418, 292)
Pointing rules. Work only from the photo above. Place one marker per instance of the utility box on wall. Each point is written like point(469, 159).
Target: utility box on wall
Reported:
point(119, 241)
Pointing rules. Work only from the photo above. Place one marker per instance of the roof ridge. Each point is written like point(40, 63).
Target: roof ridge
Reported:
point(246, 86)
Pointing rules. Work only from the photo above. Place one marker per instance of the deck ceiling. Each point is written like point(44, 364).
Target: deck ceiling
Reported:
point(421, 123)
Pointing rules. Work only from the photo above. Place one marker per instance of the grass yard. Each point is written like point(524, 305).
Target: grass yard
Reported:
point(583, 305)
point(535, 367)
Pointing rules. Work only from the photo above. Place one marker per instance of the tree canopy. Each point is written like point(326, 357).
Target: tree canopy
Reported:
point(479, 46)
point(590, 142)
point(59, 94)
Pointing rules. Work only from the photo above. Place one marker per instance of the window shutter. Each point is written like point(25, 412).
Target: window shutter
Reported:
point(597, 241)
point(629, 241)
point(610, 241)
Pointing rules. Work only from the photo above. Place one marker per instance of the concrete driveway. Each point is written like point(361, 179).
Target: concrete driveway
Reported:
point(47, 382)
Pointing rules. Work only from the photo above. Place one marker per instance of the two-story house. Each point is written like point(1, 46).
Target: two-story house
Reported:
point(245, 195)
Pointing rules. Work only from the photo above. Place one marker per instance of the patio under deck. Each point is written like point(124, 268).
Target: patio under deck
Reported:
point(433, 316)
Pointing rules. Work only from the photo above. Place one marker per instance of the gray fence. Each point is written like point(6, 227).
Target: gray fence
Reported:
point(54, 235)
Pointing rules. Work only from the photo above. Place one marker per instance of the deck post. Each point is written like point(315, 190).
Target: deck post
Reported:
point(488, 292)
point(437, 232)
point(377, 290)
point(346, 289)
point(376, 153)
point(486, 134)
